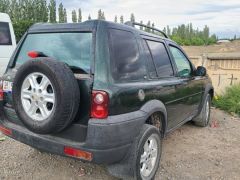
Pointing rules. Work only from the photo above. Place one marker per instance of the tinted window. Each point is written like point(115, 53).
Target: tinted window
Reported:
point(183, 66)
point(5, 36)
point(151, 67)
point(125, 62)
point(161, 58)
point(71, 48)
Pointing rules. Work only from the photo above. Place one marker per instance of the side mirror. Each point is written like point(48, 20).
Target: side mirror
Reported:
point(201, 71)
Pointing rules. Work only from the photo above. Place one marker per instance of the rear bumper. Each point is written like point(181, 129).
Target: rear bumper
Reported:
point(107, 140)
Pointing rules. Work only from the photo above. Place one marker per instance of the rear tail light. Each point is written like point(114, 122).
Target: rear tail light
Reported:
point(1, 90)
point(78, 153)
point(6, 131)
point(99, 106)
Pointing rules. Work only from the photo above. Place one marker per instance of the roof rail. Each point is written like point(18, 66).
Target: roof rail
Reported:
point(129, 23)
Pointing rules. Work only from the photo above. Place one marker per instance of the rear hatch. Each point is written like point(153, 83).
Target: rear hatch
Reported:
point(73, 48)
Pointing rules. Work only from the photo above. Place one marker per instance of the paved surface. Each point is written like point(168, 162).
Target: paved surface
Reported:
point(188, 153)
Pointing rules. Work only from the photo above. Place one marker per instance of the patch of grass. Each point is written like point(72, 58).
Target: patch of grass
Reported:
point(230, 100)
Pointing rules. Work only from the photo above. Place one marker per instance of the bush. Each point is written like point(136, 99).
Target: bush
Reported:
point(230, 100)
point(20, 27)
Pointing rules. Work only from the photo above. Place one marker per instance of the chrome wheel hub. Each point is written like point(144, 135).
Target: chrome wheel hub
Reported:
point(37, 96)
point(149, 157)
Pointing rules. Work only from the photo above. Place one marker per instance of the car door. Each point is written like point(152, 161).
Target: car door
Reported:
point(163, 79)
point(189, 91)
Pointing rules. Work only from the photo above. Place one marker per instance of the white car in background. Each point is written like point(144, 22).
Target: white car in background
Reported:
point(7, 41)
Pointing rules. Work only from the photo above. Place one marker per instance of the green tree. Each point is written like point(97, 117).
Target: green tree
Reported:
point(65, 15)
point(115, 19)
point(168, 31)
point(21, 27)
point(132, 18)
point(153, 26)
point(141, 27)
point(103, 16)
point(52, 11)
point(61, 13)
point(147, 29)
point(4, 6)
point(79, 15)
point(235, 37)
point(206, 34)
point(89, 17)
point(99, 14)
point(39, 9)
point(165, 30)
point(74, 16)
point(121, 19)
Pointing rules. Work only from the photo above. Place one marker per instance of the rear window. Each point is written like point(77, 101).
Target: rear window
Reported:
point(5, 36)
point(72, 48)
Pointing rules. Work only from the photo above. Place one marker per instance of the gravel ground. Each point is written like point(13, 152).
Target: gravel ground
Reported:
point(188, 153)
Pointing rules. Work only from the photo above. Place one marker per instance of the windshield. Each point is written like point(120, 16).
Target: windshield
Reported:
point(71, 48)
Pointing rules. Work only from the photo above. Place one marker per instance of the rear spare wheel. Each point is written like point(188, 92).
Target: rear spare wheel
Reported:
point(45, 95)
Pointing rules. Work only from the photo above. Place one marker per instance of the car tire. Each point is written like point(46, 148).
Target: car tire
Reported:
point(147, 134)
point(129, 167)
point(204, 117)
point(61, 86)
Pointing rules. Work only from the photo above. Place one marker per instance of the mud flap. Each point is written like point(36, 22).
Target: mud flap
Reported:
point(124, 169)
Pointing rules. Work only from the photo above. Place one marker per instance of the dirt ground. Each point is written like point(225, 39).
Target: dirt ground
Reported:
point(188, 153)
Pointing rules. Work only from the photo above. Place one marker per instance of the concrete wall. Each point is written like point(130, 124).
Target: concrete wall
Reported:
point(224, 69)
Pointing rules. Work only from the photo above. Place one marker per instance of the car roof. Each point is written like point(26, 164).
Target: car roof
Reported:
point(90, 24)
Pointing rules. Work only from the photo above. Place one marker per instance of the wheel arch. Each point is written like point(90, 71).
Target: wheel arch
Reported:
point(155, 106)
point(208, 90)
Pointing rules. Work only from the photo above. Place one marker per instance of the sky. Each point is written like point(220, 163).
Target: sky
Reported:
point(222, 16)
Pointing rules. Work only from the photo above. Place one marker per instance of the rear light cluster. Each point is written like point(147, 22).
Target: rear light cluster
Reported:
point(1, 90)
point(99, 106)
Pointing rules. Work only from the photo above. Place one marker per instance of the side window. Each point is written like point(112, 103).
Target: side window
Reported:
point(5, 36)
point(125, 61)
point(150, 65)
point(183, 66)
point(160, 58)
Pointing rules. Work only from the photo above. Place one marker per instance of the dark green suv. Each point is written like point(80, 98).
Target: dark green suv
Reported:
point(101, 92)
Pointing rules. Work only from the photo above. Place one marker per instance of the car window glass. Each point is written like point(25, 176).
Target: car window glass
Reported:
point(125, 61)
point(73, 49)
point(160, 58)
point(183, 65)
point(5, 36)
point(150, 65)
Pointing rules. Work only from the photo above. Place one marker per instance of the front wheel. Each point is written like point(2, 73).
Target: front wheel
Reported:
point(204, 117)
point(148, 153)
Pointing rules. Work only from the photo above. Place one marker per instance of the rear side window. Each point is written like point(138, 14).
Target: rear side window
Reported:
point(5, 35)
point(72, 48)
point(151, 67)
point(125, 61)
point(160, 58)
